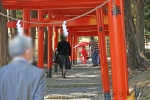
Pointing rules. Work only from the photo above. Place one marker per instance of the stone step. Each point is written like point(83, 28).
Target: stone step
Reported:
point(84, 97)
point(82, 83)
point(76, 85)
point(78, 99)
point(74, 93)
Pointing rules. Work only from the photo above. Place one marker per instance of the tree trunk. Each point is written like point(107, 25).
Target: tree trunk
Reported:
point(13, 30)
point(135, 59)
point(33, 33)
point(140, 36)
point(3, 38)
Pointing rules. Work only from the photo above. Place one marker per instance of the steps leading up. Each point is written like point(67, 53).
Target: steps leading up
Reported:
point(82, 83)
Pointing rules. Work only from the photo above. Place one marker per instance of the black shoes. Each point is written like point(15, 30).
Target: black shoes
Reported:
point(63, 76)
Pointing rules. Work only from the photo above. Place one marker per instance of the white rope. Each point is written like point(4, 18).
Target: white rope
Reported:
point(89, 11)
point(61, 21)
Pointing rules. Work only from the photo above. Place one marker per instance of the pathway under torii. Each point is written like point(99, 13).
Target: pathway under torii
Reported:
point(106, 20)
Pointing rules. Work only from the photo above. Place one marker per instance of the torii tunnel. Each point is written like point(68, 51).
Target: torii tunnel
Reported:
point(107, 20)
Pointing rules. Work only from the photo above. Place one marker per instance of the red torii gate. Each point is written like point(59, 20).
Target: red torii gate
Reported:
point(95, 21)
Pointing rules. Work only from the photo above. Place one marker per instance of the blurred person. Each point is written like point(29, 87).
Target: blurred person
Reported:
point(94, 52)
point(20, 80)
point(84, 55)
point(64, 51)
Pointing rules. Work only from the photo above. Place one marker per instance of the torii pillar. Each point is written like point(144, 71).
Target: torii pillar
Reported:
point(72, 45)
point(40, 42)
point(55, 38)
point(69, 40)
point(50, 49)
point(76, 50)
point(55, 47)
point(26, 17)
point(103, 55)
point(74, 61)
point(118, 49)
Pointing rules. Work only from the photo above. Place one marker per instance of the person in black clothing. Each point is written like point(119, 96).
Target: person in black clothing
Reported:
point(64, 51)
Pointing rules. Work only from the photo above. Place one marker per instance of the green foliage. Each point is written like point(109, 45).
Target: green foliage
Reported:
point(134, 10)
point(147, 16)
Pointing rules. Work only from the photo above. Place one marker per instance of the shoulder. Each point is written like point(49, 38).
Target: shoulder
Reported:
point(20, 66)
point(36, 69)
point(41, 72)
point(22, 69)
point(5, 67)
point(67, 42)
point(59, 42)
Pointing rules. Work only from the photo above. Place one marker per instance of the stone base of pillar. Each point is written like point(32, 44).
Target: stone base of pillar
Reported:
point(74, 62)
point(49, 72)
point(55, 68)
point(107, 96)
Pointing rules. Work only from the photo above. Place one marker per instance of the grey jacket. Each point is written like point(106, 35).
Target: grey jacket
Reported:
point(21, 81)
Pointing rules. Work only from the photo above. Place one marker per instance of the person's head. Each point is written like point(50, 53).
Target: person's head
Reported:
point(21, 46)
point(92, 38)
point(62, 37)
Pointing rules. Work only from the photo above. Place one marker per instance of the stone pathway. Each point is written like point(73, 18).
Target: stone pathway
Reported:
point(82, 83)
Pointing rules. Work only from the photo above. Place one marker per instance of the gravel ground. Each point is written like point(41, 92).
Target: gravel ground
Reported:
point(82, 83)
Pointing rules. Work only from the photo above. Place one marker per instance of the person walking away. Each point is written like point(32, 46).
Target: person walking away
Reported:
point(95, 51)
point(20, 80)
point(64, 51)
point(84, 55)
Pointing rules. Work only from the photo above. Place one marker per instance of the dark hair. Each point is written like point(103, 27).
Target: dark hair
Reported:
point(92, 37)
point(62, 37)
